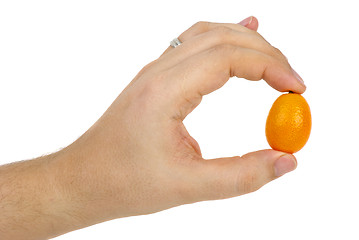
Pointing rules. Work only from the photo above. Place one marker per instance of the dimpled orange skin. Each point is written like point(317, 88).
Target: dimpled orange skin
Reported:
point(289, 123)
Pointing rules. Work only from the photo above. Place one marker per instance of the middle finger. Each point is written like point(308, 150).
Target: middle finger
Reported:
point(220, 35)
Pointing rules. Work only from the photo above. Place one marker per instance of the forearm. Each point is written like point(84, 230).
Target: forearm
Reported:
point(32, 204)
point(68, 190)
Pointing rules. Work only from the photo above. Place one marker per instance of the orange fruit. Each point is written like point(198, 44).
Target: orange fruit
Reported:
point(289, 123)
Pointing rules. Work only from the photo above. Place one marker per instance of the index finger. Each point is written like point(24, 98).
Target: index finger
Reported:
point(207, 71)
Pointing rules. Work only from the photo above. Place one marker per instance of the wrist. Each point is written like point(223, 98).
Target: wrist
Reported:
point(78, 205)
point(85, 184)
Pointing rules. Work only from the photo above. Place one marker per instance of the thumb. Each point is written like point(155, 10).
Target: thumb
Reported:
point(230, 177)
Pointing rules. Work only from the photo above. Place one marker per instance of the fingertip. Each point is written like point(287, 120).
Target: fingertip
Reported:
point(284, 80)
point(280, 162)
point(250, 23)
point(234, 176)
point(285, 164)
point(296, 87)
point(253, 25)
point(300, 81)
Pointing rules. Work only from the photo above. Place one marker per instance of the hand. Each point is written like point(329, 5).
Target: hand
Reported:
point(138, 158)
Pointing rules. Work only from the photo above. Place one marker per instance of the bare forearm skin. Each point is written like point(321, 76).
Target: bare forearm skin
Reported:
point(31, 203)
point(55, 194)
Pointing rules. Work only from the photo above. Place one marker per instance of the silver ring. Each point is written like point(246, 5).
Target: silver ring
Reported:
point(175, 43)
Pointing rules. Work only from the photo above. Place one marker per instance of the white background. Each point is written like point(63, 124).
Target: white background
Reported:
point(62, 63)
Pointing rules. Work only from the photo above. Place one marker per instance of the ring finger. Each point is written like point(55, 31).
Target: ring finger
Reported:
point(248, 24)
point(221, 35)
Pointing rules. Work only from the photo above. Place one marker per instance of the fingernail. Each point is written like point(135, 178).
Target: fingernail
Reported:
point(300, 80)
point(246, 21)
point(284, 164)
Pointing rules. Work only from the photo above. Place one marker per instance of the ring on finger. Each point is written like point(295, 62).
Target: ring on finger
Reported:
point(175, 43)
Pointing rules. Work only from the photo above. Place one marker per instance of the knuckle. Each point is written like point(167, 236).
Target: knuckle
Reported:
point(270, 49)
point(147, 68)
point(148, 91)
point(222, 33)
point(278, 53)
point(201, 25)
point(247, 182)
point(152, 84)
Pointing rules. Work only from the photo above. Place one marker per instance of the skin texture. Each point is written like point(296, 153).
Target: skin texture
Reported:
point(138, 158)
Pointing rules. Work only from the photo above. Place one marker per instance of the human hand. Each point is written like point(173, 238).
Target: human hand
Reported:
point(138, 158)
